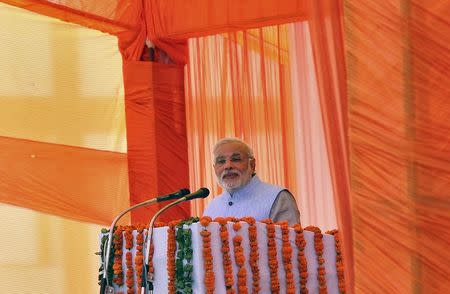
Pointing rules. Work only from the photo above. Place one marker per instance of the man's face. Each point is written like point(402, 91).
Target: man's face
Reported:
point(232, 166)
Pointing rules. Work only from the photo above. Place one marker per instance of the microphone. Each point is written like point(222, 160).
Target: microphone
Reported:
point(147, 281)
point(105, 285)
point(176, 195)
point(201, 193)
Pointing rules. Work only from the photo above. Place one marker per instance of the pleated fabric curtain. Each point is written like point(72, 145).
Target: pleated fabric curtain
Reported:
point(234, 89)
point(258, 86)
point(327, 39)
point(398, 55)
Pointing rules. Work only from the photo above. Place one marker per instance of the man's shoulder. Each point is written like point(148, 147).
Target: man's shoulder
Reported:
point(272, 187)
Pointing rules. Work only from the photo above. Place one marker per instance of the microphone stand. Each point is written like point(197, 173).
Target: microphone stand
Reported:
point(105, 286)
point(147, 281)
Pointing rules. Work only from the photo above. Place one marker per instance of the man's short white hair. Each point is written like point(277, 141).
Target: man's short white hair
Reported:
point(227, 140)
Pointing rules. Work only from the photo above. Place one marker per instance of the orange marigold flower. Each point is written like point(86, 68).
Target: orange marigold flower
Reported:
point(205, 220)
point(237, 238)
point(221, 220)
point(236, 226)
point(267, 221)
point(205, 233)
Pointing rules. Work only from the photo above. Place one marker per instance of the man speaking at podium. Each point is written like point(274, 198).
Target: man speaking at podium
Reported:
point(244, 193)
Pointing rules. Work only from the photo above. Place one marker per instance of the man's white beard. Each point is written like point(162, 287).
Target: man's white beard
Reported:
point(232, 185)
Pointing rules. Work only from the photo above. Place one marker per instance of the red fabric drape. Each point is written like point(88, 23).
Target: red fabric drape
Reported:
point(156, 136)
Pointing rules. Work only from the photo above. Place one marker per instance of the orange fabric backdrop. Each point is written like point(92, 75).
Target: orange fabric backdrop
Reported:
point(62, 119)
point(63, 180)
point(398, 76)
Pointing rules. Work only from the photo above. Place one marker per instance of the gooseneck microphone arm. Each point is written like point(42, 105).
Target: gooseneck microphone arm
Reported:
point(176, 195)
point(147, 281)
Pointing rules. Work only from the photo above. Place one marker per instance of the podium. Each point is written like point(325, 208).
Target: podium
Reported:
point(228, 256)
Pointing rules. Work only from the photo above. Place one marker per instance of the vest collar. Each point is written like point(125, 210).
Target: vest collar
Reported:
point(246, 190)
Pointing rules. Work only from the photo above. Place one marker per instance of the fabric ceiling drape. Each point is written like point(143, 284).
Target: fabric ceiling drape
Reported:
point(171, 23)
point(398, 56)
point(167, 23)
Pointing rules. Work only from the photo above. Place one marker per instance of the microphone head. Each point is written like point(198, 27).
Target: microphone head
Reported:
point(183, 192)
point(176, 195)
point(201, 193)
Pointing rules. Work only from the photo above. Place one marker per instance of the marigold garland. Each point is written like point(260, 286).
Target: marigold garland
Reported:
point(128, 237)
point(301, 258)
point(171, 249)
point(272, 254)
point(226, 258)
point(129, 260)
point(287, 258)
point(125, 233)
point(207, 256)
point(139, 258)
point(130, 272)
point(339, 260)
point(117, 266)
point(240, 260)
point(318, 245)
point(254, 253)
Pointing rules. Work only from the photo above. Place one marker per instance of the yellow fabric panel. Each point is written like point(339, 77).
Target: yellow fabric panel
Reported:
point(60, 83)
point(47, 254)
